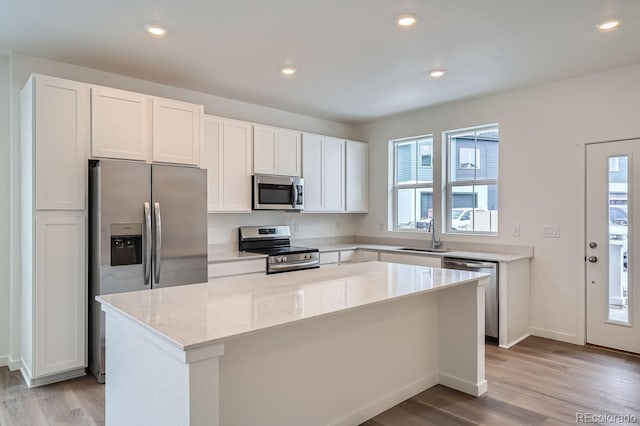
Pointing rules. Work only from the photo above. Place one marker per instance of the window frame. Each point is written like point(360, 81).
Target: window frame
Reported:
point(449, 186)
point(417, 185)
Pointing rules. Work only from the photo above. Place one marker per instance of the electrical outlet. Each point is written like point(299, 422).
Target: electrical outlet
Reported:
point(382, 226)
point(516, 231)
point(337, 225)
point(296, 227)
point(551, 231)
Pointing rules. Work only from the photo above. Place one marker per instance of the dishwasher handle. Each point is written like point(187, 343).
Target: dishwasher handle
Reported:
point(468, 264)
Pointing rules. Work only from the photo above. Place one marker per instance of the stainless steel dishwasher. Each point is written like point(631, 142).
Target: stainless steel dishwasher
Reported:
point(491, 291)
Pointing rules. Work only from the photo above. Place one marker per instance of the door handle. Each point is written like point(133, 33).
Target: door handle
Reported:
point(293, 195)
point(148, 243)
point(592, 259)
point(158, 251)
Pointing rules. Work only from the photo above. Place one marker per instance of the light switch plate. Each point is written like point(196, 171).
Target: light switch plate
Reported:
point(551, 231)
point(516, 231)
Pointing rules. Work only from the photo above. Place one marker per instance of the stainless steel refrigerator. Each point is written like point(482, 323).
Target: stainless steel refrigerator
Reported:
point(147, 229)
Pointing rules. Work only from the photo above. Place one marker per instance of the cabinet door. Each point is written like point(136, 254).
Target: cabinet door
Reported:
point(176, 132)
point(312, 172)
point(289, 153)
point(433, 261)
point(357, 176)
point(265, 150)
point(238, 159)
point(212, 160)
point(61, 125)
point(120, 125)
point(333, 174)
point(60, 293)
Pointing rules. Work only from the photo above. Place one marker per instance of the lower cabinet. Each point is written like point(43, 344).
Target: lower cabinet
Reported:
point(54, 298)
point(420, 260)
point(238, 267)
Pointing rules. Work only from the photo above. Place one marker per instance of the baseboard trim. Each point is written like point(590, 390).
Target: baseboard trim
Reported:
point(41, 381)
point(515, 342)
point(4, 361)
point(556, 335)
point(453, 382)
point(387, 401)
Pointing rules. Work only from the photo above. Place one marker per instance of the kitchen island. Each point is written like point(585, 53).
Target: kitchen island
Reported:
point(324, 346)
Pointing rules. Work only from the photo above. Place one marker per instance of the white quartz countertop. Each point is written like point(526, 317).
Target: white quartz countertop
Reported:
point(475, 255)
point(196, 315)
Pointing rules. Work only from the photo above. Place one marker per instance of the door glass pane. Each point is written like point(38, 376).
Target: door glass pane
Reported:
point(415, 208)
point(618, 239)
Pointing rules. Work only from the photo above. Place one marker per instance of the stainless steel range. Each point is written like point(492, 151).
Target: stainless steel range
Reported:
point(275, 241)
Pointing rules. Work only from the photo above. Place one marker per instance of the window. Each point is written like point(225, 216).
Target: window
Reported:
point(472, 180)
point(413, 182)
point(469, 158)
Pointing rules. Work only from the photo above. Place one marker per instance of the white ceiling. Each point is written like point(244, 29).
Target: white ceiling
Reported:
point(354, 63)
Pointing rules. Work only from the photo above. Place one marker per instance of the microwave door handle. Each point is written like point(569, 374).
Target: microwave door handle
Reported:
point(293, 195)
point(148, 243)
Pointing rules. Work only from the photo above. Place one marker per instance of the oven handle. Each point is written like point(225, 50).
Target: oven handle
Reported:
point(277, 266)
point(293, 195)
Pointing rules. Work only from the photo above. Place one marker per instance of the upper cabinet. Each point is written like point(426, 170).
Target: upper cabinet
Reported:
point(56, 134)
point(276, 151)
point(132, 126)
point(357, 177)
point(323, 165)
point(120, 124)
point(176, 132)
point(227, 156)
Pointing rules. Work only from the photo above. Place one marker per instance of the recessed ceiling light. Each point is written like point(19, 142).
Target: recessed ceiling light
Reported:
point(436, 73)
point(406, 20)
point(608, 25)
point(155, 30)
point(288, 70)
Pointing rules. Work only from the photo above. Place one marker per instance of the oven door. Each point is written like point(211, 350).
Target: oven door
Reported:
point(277, 193)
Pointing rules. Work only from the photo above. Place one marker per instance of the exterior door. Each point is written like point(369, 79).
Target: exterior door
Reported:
point(612, 252)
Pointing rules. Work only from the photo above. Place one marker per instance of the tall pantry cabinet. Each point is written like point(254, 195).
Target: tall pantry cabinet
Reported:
point(54, 143)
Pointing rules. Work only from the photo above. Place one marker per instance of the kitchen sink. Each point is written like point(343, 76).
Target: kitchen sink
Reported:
point(427, 250)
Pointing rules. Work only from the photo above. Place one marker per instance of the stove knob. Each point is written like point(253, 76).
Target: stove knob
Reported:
point(284, 258)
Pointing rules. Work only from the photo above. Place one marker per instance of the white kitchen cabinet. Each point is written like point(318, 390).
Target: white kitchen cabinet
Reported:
point(357, 177)
point(323, 168)
point(227, 156)
point(239, 267)
point(312, 172)
point(55, 128)
point(120, 124)
point(276, 151)
point(132, 126)
point(176, 132)
point(409, 259)
point(369, 255)
point(53, 165)
point(54, 298)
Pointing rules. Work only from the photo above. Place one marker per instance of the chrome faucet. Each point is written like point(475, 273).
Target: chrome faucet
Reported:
point(435, 243)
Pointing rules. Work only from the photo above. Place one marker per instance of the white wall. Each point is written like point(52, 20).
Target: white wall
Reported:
point(224, 227)
point(543, 132)
point(5, 289)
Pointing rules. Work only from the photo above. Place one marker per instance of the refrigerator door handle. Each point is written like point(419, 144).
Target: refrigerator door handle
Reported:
point(158, 253)
point(148, 243)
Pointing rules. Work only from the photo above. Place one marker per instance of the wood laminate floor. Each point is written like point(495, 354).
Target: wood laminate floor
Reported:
point(537, 382)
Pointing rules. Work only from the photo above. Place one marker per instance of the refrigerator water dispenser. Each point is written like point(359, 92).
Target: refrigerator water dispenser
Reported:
point(126, 244)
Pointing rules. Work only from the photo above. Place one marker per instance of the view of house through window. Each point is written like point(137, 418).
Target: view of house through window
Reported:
point(413, 187)
point(472, 180)
point(471, 184)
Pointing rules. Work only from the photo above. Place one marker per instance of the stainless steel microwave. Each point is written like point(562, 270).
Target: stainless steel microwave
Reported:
point(278, 192)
